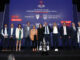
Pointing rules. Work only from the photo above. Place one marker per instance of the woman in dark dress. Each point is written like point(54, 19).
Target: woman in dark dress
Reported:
point(40, 34)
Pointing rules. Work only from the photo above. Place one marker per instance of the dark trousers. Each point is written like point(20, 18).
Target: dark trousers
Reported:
point(47, 38)
point(1, 38)
point(11, 43)
point(55, 40)
point(34, 42)
point(65, 41)
point(74, 41)
point(27, 42)
point(5, 43)
point(40, 39)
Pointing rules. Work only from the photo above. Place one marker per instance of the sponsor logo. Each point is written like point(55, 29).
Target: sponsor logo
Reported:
point(15, 18)
point(41, 4)
point(45, 17)
point(37, 16)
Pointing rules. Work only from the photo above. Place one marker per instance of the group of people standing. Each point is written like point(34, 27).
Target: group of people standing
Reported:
point(37, 34)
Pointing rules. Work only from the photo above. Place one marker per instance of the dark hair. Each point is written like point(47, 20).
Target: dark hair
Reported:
point(20, 25)
point(41, 25)
point(28, 22)
point(5, 24)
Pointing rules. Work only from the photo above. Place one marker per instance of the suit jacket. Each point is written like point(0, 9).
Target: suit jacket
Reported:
point(62, 32)
point(32, 33)
point(2, 32)
point(73, 32)
point(1, 36)
point(26, 32)
point(13, 33)
point(17, 33)
point(49, 29)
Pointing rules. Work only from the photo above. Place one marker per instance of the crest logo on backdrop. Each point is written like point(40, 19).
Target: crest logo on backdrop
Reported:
point(41, 4)
point(37, 16)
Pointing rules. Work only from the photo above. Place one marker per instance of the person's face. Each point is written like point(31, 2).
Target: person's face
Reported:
point(19, 26)
point(28, 23)
point(64, 24)
point(73, 24)
point(40, 26)
point(12, 25)
point(33, 27)
point(78, 23)
point(45, 23)
point(54, 24)
point(5, 25)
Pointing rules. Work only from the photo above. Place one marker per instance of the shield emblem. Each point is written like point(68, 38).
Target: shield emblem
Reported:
point(37, 16)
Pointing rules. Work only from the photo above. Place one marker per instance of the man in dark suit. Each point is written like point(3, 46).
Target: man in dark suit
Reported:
point(55, 36)
point(1, 39)
point(5, 34)
point(47, 31)
point(78, 35)
point(12, 37)
point(65, 35)
point(27, 35)
point(73, 35)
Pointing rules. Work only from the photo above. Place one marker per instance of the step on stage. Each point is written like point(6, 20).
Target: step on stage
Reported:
point(62, 54)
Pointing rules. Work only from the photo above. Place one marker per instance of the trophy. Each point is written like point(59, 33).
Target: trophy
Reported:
point(48, 48)
point(44, 45)
point(40, 47)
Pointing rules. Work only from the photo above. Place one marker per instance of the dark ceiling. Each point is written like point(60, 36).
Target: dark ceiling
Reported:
point(3, 2)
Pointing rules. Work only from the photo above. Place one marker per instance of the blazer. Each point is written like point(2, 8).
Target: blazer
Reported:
point(32, 33)
point(13, 33)
point(2, 32)
point(17, 33)
point(62, 32)
point(73, 32)
point(49, 29)
point(26, 32)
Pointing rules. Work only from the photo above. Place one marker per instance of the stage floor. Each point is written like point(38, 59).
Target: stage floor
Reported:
point(28, 54)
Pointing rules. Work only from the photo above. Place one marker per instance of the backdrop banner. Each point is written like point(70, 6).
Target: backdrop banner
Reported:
point(40, 11)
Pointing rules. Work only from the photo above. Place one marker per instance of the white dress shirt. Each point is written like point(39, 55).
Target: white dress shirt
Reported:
point(78, 35)
point(28, 28)
point(11, 31)
point(74, 28)
point(78, 29)
point(55, 30)
point(47, 30)
point(5, 32)
point(65, 30)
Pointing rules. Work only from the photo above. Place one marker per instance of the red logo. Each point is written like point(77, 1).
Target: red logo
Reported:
point(68, 23)
point(15, 18)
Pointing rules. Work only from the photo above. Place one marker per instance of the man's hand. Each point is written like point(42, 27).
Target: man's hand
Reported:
point(60, 36)
point(5, 36)
point(11, 36)
point(69, 37)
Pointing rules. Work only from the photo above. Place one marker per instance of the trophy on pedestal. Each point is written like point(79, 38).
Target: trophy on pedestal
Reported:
point(40, 47)
point(44, 46)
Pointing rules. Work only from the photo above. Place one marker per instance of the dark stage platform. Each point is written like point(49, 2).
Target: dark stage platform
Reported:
point(62, 54)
